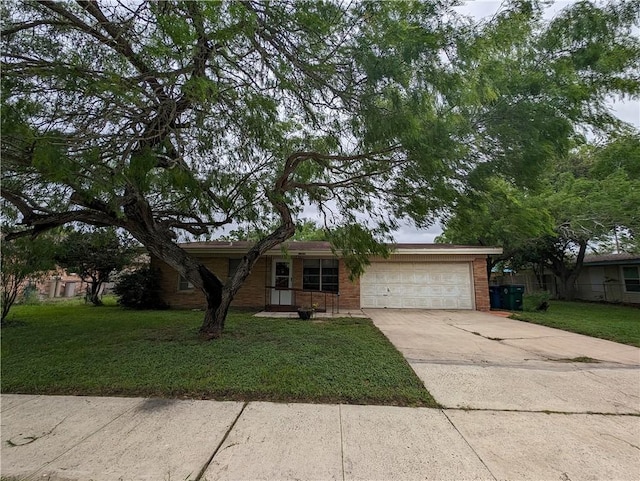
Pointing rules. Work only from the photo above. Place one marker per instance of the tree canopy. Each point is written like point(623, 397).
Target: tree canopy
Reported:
point(583, 202)
point(94, 256)
point(178, 118)
point(22, 261)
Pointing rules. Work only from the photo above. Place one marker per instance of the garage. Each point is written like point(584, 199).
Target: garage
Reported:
point(418, 285)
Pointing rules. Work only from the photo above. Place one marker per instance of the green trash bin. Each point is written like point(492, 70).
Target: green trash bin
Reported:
point(511, 297)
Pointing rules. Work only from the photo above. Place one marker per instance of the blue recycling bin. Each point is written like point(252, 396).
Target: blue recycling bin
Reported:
point(494, 297)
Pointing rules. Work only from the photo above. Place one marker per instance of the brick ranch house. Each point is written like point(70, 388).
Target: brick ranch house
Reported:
point(420, 276)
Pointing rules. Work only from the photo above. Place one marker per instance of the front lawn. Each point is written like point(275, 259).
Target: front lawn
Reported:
point(606, 321)
point(68, 348)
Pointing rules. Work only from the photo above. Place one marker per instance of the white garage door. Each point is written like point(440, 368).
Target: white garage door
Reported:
point(417, 285)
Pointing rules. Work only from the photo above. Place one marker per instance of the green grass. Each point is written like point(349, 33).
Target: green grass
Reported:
point(71, 348)
point(606, 321)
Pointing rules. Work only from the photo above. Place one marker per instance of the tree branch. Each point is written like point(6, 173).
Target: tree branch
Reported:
point(28, 25)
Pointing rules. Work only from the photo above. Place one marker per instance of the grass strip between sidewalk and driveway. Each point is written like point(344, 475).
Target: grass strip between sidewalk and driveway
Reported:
point(605, 321)
point(70, 348)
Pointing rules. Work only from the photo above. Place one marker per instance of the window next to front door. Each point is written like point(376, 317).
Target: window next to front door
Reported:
point(184, 284)
point(320, 275)
point(631, 278)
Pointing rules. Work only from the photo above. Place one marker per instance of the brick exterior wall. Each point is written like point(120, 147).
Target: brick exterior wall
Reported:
point(481, 283)
point(253, 293)
point(349, 291)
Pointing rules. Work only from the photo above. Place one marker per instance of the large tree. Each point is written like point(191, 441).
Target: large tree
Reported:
point(169, 117)
point(498, 213)
point(588, 206)
point(582, 202)
point(94, 256)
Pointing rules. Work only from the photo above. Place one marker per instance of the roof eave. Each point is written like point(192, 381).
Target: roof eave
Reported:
point(627, 262)
point(451, 251)
point(328, 252)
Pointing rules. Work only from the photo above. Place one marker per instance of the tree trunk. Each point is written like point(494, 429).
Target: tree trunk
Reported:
point(568, 276)
point(9, 295)
point(538, 270)
point(94, 295)
point(215, 317)
point(159, 242)
point(7, 301)
point(218, 302)
point(219, 296)
point(567, 291)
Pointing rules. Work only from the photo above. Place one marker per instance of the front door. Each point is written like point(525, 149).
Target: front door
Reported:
point(281, 295)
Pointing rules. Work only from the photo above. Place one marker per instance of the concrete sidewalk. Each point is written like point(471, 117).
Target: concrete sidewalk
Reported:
point(91, 438)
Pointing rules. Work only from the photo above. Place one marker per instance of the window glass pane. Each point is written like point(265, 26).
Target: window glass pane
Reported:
point(330, 287)
point(233, 265)
point(632, 285)
point(184, 285)
point(311, 283)
point(282, 269)
point(631, 279)
point(311, 274)
point(311, 279)
point(320, 275)
point(326, 271)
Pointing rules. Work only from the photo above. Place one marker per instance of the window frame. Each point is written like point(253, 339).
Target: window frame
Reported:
point(321, 276)
point(625, 279)
point(184, 285)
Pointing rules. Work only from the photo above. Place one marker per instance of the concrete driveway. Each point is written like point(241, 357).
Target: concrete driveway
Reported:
point(475, 360)
point(517, 396)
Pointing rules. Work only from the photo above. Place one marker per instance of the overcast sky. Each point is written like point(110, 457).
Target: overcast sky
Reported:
point(628, 111)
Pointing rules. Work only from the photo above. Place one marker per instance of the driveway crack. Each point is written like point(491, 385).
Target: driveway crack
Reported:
point(595, 377)
point(620, 439)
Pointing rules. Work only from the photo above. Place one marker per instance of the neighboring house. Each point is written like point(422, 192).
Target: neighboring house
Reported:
point(610, 278)
point(56, 283)
point(422, 276)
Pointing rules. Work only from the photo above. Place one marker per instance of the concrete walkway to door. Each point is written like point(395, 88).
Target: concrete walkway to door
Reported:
point(516, 394)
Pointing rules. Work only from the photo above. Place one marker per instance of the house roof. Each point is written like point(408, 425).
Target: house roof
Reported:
point(612, 259)
point(324, 248)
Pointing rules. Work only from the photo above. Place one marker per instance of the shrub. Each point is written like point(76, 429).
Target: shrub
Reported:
point(30, 295)
point(536, 301)
point(140, 289)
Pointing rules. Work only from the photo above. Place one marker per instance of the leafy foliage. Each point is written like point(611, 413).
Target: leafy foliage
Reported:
point(22, 260)
point(140, 289)
point(185, 117)
point(536, 301)
point(94, 256)
point(578, 205)
point(308, 230)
